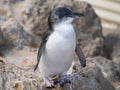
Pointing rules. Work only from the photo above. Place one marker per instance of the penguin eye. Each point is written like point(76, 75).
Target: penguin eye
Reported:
point(65, 18)
point(56, 17)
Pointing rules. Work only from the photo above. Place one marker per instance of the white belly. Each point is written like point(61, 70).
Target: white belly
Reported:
point(58, 55)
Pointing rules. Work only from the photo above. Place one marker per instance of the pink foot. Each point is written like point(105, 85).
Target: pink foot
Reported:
point(48, 82)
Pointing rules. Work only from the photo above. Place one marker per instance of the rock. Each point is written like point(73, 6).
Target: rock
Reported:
point(93, 79)
point(4, 12)
point(24, 58)
point(17, 44)
point(1, 39)
point(110, 69)
point(112, 52)
point(118, 88)
point(14, 34)
point(15, 78)
point(116, 52)
point(117, 85)
point(111, 46)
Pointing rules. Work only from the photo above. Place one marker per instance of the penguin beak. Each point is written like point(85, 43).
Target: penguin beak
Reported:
point(76, 15)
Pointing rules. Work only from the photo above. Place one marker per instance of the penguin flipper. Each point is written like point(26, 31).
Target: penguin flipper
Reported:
point(80, 55)
point(42, 46)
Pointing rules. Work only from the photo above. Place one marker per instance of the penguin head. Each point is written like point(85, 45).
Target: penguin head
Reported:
point(62, 15)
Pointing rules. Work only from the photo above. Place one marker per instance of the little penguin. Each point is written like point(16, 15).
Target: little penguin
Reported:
point(58, 47)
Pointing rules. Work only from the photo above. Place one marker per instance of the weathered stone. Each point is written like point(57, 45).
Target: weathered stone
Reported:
point(17, 43)
point(110, 69)
point(14, 34)
point(118, 88)
point(15, 78)
point(111, 46)
point(112, 52)
point(23, 58)
point(1, 39)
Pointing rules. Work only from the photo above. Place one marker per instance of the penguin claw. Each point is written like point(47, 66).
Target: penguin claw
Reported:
point(64, 80)
point(49, 83)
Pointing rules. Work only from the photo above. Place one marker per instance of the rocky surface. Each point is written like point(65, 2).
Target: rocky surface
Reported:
point(112, 49)
point(14, 34)
point(1, 39)
point(110, 69)
point(22, 23)
point(15, 78)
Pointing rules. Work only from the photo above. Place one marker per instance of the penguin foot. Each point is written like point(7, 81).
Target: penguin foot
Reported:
point(48, 82)
point(63, 80)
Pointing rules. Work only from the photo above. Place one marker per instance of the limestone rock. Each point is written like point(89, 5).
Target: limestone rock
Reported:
point(118, 88)
point(17, 44)
point(112, 52)
point(111, 46)
point(14, 34)
point(15, 78)
point(1, 39)
point(24, 58)
point(110, 69)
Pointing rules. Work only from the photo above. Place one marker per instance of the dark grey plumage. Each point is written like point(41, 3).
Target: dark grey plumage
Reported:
point(80, 55)
point(42, 46)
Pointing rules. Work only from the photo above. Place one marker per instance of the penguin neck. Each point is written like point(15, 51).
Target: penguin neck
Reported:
point(62, 27)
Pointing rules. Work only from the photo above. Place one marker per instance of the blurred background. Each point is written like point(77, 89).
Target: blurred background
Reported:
point(109, 12)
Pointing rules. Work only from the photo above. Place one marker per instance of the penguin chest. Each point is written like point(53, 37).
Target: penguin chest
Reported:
point(60, 46)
